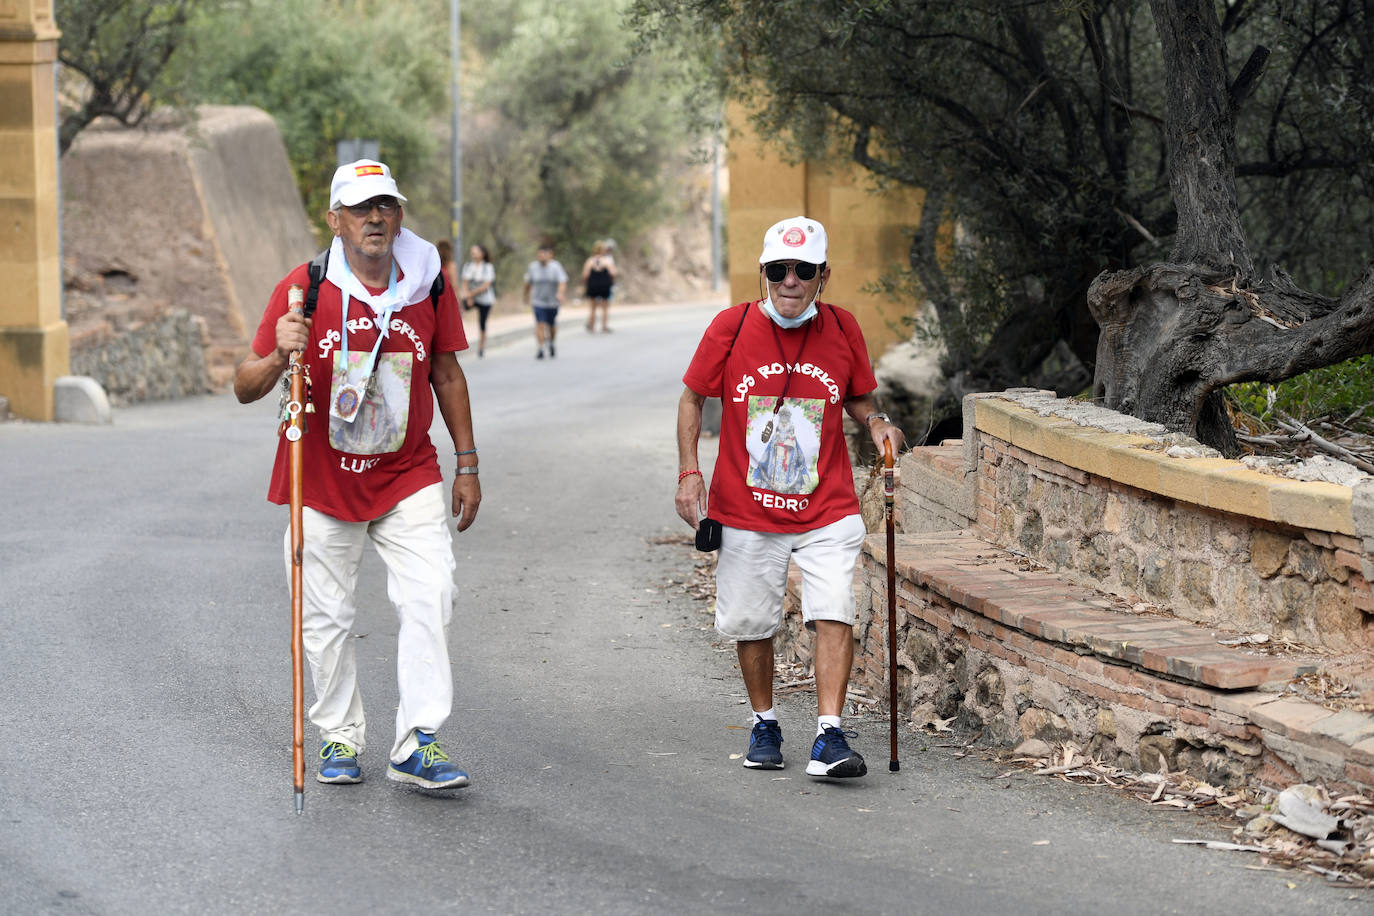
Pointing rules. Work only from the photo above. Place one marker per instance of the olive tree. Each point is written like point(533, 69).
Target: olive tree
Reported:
point(117, 58)
point(1063, 140)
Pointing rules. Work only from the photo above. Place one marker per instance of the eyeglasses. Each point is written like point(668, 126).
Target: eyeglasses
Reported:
point(776, 272)
point(387, 206)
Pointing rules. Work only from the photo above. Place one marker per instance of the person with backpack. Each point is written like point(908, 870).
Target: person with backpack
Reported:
point(787, 368)
point(378, 339)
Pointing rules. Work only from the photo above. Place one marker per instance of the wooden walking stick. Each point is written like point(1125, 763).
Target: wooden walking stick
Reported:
point(893, 765)
point(293, 427)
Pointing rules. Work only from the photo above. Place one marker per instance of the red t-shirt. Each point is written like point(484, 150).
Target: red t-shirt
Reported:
point(786, 470)
point(357, 471)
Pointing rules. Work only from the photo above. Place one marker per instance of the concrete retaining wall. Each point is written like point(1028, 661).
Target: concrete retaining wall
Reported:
point(204, 219)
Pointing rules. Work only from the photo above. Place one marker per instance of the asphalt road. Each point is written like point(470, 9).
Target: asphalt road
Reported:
point(145, 760)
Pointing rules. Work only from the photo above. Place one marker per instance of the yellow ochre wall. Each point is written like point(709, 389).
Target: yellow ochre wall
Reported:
point(864, 229)
point(33, 335)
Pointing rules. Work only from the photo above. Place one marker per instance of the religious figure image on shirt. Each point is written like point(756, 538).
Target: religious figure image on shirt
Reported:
point(380, 426)
point(784, 446)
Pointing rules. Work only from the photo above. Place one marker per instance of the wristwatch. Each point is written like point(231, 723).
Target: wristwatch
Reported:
point(876, 416)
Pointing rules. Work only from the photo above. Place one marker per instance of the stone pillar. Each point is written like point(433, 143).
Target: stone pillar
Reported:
point(33, 334)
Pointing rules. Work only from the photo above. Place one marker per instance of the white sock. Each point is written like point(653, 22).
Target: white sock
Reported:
point(823, 721)
point(768, 715)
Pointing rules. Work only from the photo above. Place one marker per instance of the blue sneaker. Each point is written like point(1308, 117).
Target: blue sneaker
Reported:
point(765, 746)
point(338, 763)
point(832, 756)
point(429, 767)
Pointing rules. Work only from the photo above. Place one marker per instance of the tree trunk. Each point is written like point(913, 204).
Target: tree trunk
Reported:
point(1173, 335)
point(1200, 130)
point(1155, 356)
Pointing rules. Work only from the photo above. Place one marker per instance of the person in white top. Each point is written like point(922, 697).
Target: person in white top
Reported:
point(476, 288)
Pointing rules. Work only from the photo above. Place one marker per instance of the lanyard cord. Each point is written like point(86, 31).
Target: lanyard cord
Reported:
point(379, 320)
point(787, 381)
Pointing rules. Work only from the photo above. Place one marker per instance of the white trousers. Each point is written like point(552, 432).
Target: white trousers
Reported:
point(413, 540)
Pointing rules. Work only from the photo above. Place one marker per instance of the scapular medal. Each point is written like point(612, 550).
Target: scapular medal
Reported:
point(346, 402)
point(768, 431)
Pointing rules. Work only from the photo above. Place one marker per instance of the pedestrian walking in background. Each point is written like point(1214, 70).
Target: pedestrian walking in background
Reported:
point(598, 278)
point(546, 282)
point(378, 352)
point(787, 368)
point(477, 285)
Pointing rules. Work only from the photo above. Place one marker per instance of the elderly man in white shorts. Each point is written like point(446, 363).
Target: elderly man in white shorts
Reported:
point(787, 367)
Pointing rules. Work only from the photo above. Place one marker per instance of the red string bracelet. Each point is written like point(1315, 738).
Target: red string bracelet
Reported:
point(685, 474)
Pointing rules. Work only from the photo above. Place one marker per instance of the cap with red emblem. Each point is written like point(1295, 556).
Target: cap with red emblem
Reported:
point(795, 239)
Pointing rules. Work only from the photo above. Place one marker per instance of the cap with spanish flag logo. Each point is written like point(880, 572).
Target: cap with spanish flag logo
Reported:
point(359, 181)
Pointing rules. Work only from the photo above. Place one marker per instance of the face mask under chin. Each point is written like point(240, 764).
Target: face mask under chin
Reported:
point(782, 322)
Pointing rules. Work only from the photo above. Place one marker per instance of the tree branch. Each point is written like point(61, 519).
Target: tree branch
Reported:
point(1249, 77)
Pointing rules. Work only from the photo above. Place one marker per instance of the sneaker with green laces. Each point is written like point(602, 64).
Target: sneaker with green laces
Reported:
point(338, 764)
point(429, 767)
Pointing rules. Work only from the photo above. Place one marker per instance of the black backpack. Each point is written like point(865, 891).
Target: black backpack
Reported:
point(320, 264)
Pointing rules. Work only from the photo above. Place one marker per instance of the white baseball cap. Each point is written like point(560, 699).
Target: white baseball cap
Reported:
point(359, 181)
point(795, 239)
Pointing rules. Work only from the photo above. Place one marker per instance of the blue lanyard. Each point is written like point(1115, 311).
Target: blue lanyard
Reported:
point(381, 321)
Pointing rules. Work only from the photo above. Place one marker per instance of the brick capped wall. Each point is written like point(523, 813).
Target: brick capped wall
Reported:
point(1255, 568)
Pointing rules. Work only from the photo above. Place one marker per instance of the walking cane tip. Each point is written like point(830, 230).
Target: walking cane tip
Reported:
point(894, 765)
point(300, 802)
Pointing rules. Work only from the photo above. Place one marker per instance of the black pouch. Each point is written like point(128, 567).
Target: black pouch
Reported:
point(708, 535)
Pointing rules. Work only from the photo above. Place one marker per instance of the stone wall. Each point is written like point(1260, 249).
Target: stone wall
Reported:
point(1068, 574)
point(1005, 653)
point(1008, 688)
point(1203, 537)
point(936, 493)
point(160, 359)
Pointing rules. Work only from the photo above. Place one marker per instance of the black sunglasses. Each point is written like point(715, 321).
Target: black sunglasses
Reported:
point(776, 272)
point(385, 206)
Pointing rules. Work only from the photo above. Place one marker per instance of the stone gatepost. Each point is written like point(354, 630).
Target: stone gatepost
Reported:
point(33, 335)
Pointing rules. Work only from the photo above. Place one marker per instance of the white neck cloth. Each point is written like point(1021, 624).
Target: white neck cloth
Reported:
point(417, 259)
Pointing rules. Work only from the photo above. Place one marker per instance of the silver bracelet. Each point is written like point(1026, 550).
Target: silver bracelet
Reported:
point(471, 470)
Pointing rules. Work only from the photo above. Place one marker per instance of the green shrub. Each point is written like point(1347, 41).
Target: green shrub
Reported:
point(1334, 391)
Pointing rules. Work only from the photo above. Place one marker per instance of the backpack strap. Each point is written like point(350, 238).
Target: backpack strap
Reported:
point(730, 349)
point(318, 265)
point(436, 289)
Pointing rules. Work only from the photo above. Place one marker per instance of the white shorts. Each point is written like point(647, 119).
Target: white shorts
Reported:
point(751, 577)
